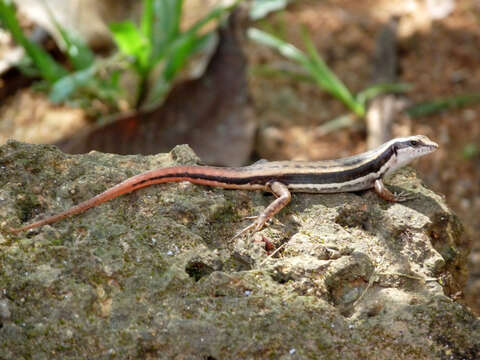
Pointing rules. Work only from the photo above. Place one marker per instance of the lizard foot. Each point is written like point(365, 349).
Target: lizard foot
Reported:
point(253, 227)
point(404, 196)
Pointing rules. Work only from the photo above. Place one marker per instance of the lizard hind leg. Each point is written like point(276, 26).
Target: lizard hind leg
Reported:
point(283, 197)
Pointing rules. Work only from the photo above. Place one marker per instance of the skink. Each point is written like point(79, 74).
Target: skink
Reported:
point(359, 172)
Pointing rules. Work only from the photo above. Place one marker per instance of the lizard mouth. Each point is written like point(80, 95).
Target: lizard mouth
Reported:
point(428, 144)
point(431, 147)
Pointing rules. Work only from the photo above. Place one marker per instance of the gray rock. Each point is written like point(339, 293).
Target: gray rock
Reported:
point(154, 274)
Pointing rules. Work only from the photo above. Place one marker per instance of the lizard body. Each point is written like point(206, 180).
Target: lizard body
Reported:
point(358, 172)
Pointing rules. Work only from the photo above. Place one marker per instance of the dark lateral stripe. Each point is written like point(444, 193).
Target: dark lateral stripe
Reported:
point(337, 177)
point(289, 178)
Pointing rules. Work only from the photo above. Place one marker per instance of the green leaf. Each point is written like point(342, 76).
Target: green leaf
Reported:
point(66, 86)
point(178, 52)
point(329, 81)
point(438, 105)
point(313, 64)
point(109, 89)
point(338, 123)
point(158, 91)
point(27, 67)
point(212, 15)
point(183, 48)
point(161, 40)
point(187, 42)
point(284, 48)
point(132, 42)
point(167, 15)
point(261, 8)
point(470, 151)
point(77, 50)
point(173, 43)
point(146, 23)
point(80, 55)
point(49, 69)
point(377, 89)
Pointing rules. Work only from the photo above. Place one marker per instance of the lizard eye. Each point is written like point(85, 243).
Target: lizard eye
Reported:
point(414, 143)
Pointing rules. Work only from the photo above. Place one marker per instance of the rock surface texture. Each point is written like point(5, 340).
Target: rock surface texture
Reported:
point(154, 274)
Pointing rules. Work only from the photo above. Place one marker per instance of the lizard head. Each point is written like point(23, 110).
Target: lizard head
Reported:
point(407, 149)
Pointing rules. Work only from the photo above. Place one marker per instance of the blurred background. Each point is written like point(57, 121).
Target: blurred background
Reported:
point(244, 80)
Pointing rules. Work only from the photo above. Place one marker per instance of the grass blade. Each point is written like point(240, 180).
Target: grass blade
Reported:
point(313, 63)
point(184, 47)
point(261, 8)
point(176, 16)
point(435, 106)
point(167, 16)
point(284, 48)
point(377, 89)
point(190, 34)
point(147, 20)
point(132, 42)
point(49, 69)
point(77, 50)
point(327, 79)
point(67, 85)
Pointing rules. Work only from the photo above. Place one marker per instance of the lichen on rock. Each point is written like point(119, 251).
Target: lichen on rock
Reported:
point(155, 274)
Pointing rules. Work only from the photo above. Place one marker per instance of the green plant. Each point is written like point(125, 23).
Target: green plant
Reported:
point(159, 40)
point(470, 151)
point(318, 71)
point(84, 78)
point(437, 105)
point(261, 8)
point(47, 67)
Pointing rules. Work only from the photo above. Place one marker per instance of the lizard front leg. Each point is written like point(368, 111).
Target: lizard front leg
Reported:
point(386, 194)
